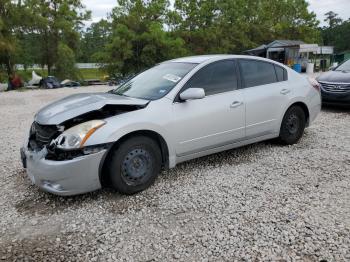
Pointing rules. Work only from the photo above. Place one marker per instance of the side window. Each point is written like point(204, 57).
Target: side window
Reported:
point(215, 78)
point(257, 73)
point(281, 73)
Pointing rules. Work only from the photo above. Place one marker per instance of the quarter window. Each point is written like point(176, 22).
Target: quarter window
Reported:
point(215, 78)
point(257, 73)
point(281, 73)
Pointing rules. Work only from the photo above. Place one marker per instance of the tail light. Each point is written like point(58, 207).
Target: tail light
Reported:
point(315, 84)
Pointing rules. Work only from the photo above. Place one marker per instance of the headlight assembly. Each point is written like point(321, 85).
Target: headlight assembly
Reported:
point(76, 136)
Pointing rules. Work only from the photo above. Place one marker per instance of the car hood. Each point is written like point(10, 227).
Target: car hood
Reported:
point(335, 76)
point(79, 104)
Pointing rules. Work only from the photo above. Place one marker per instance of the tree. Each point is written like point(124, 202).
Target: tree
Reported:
point(226, 26)
point(332, 19)
point(138, 38)
point(57, 22)
point(141, 33)
point(337, 33)
point(28, 52)
point(196, 22)
point(93, 40)
point(11, 20)
point(65, 64)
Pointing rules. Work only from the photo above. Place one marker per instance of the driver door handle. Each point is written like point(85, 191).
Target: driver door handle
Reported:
point(285, 91)
point(236, 104)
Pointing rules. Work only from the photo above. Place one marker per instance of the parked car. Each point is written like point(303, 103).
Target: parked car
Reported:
point(70, 83)
point(94, 82)
point(50, 82)
point(176, 111)
point(335, 85)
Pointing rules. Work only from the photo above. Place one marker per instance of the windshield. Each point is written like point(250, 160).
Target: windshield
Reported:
point(156, 82)
point(344, 66)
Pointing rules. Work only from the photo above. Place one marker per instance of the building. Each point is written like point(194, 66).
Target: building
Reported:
point(293, 52)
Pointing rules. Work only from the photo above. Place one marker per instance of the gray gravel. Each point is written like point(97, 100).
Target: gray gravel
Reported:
point(260, 202)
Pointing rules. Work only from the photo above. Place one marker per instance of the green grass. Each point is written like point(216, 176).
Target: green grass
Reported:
point(84, 74)
point(92, 73)
point(27, 75)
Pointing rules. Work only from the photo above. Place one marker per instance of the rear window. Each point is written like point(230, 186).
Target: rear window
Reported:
point(256, 73)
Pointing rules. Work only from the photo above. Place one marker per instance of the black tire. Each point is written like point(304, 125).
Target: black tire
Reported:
point(293, 125)
point(135, 165)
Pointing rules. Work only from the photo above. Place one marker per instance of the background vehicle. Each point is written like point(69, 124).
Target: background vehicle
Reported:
point(335, 85)
point(70, 83)
point(176, 111)
point(50, 82)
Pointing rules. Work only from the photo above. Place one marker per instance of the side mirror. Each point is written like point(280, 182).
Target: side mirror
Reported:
point(192, 93)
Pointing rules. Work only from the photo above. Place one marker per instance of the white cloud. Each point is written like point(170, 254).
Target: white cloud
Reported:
point(320, 7)
point(99, 8)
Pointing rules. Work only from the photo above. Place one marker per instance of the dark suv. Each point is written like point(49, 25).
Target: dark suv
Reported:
point(335, 85)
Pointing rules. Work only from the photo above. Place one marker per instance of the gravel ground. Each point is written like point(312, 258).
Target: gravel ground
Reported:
point(260, 202)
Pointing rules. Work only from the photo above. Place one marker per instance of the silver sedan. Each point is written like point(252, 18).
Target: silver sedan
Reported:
point(176, 111)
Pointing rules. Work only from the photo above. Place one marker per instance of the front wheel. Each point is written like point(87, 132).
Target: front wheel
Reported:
point(293, 125)
point(135, 165)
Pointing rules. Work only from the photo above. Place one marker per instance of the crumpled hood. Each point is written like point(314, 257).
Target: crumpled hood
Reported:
point(335, 76)
point(78, 104)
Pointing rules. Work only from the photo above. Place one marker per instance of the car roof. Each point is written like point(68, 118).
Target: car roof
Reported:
point(204, 58)
point(195, 59)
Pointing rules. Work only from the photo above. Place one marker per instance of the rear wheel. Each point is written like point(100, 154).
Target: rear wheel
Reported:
point(293, 125)
point(135, 165)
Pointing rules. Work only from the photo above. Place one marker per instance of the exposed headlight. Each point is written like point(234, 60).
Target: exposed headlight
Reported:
point(76, 136)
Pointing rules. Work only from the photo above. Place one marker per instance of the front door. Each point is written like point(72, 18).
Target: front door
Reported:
point(214, 121)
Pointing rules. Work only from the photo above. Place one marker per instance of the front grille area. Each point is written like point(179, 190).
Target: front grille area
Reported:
point(41, 135)
point(335, 87)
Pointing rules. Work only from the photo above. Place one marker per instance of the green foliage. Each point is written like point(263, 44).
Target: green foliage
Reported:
point(33, 31)
point(93, 40)
point(56, 22)
point(337, 33)
point(332, 19)
point(138, 38)
point(141, 33)
point(12, 15)
point(224, 26)
point(65, 63)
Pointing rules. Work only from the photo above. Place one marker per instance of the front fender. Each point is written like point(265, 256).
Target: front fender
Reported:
point(117, 127)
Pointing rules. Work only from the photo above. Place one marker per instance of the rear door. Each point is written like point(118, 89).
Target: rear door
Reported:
point(266, 93)
point(217, 119)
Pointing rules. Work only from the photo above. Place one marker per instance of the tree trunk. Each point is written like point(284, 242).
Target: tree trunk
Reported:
point(47, 56)
point(9, 66)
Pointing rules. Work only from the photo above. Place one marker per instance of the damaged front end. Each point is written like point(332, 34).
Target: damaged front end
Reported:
point(68, 170)
point(49, 136)
point(55, 155)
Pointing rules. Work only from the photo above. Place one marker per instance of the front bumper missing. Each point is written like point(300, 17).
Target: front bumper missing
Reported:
point(69, 177)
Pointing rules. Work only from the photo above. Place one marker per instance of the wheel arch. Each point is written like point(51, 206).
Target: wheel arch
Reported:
point(305, 109)
point(148, 133)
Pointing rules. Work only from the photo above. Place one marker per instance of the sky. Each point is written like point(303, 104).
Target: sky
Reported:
point(100, 8)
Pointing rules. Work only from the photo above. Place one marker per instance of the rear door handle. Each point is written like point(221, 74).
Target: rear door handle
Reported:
point(285, 91)
point(236, 104)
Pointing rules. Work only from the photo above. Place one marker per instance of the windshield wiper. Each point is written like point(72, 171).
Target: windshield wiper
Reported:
point(121, 95)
